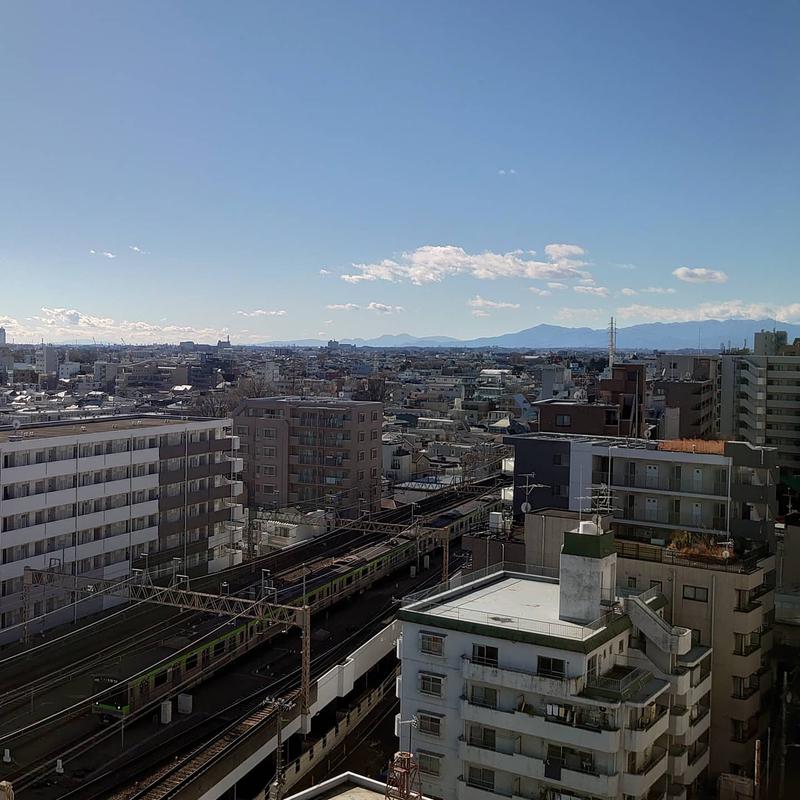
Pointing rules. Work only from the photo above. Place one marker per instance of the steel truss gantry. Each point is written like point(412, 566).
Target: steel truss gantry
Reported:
point(139, 588)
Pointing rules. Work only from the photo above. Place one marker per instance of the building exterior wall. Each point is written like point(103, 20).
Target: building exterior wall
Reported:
point(94, 497)
point(312, 452)
point(735, 619)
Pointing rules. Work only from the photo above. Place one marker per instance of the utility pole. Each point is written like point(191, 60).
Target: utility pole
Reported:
point(276, 788)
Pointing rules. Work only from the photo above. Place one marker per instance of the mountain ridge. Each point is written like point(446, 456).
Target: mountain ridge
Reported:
point(700, 334)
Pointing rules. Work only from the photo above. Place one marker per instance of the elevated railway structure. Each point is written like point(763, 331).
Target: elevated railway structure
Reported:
point(299, 585)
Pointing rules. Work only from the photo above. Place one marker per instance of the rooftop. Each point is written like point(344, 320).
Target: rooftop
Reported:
point(514, 604)
point(347, 786)
point(48, 430)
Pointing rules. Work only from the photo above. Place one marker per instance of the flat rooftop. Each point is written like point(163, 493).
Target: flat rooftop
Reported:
point(514, 601)
point(76, 427)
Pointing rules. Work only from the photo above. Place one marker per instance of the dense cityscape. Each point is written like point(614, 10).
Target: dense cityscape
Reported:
point(582, 567)
point(399, 400)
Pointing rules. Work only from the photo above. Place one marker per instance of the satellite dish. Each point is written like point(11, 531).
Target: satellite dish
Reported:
point(16, 424)
point(526, 507)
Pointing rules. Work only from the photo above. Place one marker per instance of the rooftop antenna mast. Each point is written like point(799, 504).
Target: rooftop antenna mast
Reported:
point(612, 342)
point(600, 503)
point(526, 506)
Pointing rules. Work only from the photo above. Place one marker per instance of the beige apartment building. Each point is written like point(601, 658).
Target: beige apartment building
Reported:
point(315, 452)
point(727, 600)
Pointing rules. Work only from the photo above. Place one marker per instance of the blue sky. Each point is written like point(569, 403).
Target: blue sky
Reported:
point(349, 169)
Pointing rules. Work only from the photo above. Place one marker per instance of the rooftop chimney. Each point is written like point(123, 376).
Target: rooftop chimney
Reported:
point(588, 572)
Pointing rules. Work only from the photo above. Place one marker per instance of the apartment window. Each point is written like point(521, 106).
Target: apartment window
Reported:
point(373, 453)
point(431, 684)
point(269, 452)
point(361, 436)
point(554, 667)
point(361, 455)
point(698, 593)
point(656, 585)
point(481, 778)
point(374, 416)
point(429, 724)
point(484, 654)
point(695, 636)
point(560, 460)
point(429, 763)
point(431, 643)
point(373, 436)
point(484, 696)
point(631, 582)
point(362, 417)
point(563, 421)
point(482, 737)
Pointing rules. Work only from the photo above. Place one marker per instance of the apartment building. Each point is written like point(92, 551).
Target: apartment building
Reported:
point(657, 488)
point(311, 452)
point(727, 599)
point(761, 404)
point(528, 686)
point(98, 497)
point(729, 604)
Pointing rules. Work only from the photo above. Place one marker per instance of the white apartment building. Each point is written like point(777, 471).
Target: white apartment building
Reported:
point(524, 686)
point(98, 497)
point(761, 404)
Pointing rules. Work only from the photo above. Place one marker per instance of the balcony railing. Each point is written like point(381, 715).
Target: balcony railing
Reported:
point(657, 755)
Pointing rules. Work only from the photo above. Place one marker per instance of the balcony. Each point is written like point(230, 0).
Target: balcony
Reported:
point(678, 721)
point(530, 722)
point(699, 690)
point(639, 782)
point(747, 659)
point(641, 738)
point(746, 703)
point(678, 760)
point(699, 725)
point(520, 680)
point(579, 777)
point(697, 763)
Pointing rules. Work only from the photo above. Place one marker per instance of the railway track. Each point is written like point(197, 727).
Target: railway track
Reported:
point(285, 562)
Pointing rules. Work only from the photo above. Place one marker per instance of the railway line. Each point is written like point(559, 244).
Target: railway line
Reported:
point(319, 556)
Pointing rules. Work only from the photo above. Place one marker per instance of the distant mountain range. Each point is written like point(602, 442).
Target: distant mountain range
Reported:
point(705, 334)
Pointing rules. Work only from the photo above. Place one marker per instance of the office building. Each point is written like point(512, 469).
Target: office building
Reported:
point(100, 497)
point(316, 452)
point(534, 687)
point(46, 360)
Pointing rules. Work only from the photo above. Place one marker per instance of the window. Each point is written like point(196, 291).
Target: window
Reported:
point(484, 654)
point(480, 778)
point(695, 636)
point(482, 737)
point(698, 593)
point(429, 724)
point(656, 585)
point(560, 460)
point(563, 421)
point(431, 684)
point(554, 667)
point(429, 763)
point(483, 696)
point(631, 582)
point(431, 643)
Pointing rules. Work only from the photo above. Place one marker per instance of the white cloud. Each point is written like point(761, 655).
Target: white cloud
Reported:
point(324, 272)
point(627, 266)
point(540, 292)
point(700, 275)
point(136, 249)
point(382, 308)
point(577, 316)
point(435, 263)
point(92, 252)
point(658, 290)
point(727, 309)
point(343, 307)
point(597, 291)
point(557, 286)
point(108, 255)
point(628, 292)
point(481, 306)
point(68, 324)
point(506, 172)
point(261, 312)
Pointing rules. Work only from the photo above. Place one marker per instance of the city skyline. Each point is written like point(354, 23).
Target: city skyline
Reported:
point(316, 172)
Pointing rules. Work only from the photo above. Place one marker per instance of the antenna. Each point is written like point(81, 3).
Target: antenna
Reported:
point(600, 503)
point(612, 342)
point(526, 506)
